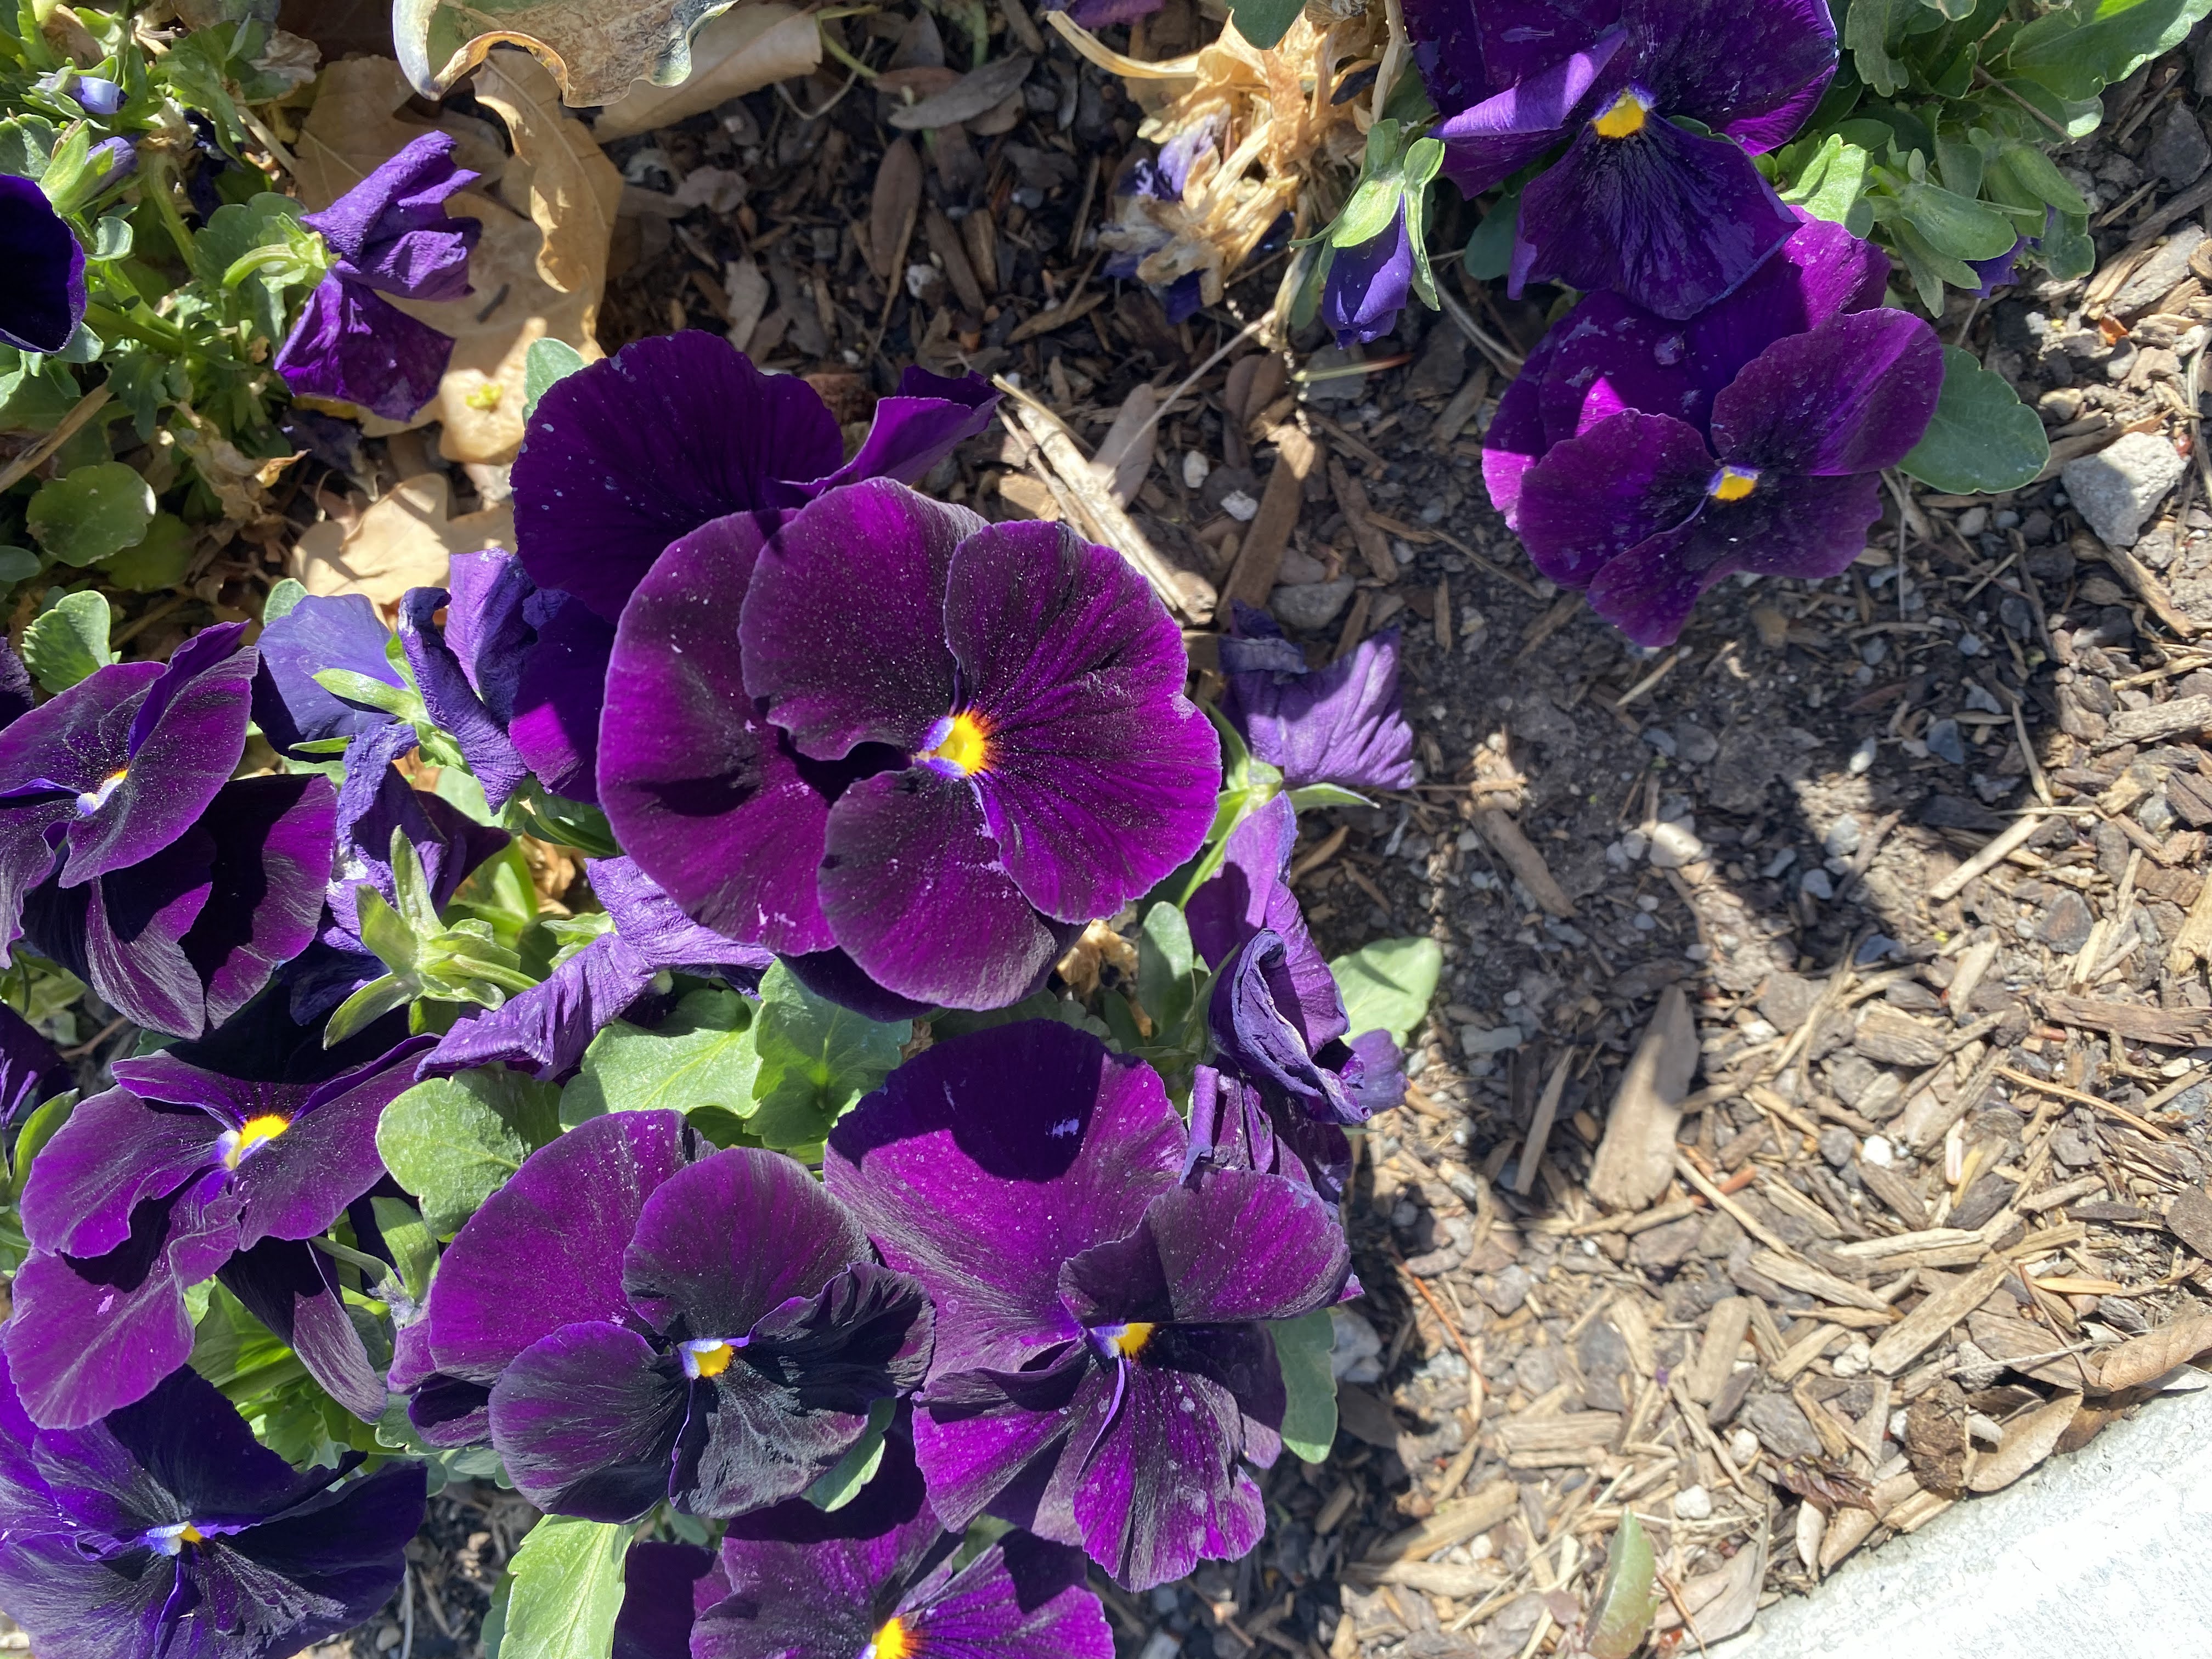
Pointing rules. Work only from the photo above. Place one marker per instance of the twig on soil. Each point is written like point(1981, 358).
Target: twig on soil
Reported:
point(23, 466)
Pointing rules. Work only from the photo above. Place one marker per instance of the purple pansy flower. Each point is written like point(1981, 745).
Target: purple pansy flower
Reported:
point(1608, 354)
point(632, 451)
point(613, 1311)
point(1646, 511)
point(318, 633)
point(880, 1576)
point(547, 1029)
point(1669, 218)
point(1342, 723)
point(44, 296)
point(156, 1184)
point(934, 788)
point(1367, 284)
point(167, 1532)
point(392, 235)
point(1101, 1376)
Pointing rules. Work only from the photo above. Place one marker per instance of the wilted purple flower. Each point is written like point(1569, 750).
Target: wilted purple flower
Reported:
point(1148, 206)
point(1608, 354)
point(631, 453)
point(154, 1185)
point(1342, 723)
point(318, 633)
point(392, 234)
point(1367, 285)
point(612, 1307)
point(1641, 512)
point(167, 1532)
point(547, 1028)
point(1100, 1375)
point(1668, 218)
point(879, 1578)
point(967, 738)
point(1102, 14)
point(45, 294)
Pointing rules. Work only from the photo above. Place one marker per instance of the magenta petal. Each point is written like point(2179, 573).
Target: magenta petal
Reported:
point(1626, 480)
point(1251, 892)
point(1023, 1598)
point(844, 622)
point(1099, 774)
point(354, 346)
point(1290, 1256)
point(297, 1184)
point(546, 1248)
point(1852, 396)
point(1670, 220)
point(631, 453)
point(1500, 136)
point(995, 1439)
point(984, 1162)
point(586, 1419)
point(700, 792)
point(916, 890)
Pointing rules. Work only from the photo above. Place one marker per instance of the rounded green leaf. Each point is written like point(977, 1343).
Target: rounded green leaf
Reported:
point(159, 561)
point(1302, 1348)
point(1982, 438)
point(1386, 985)
point(94, 512)
point(453, 1141)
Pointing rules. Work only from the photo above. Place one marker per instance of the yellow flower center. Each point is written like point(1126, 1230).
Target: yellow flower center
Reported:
point(254, 1131)
point(192, 1535)
point(708, 1358)
point(1624, 117)
point(1134, 1336)
point(95, 798)
point(895, 1641)
point(965, 744)
point(1733, 484)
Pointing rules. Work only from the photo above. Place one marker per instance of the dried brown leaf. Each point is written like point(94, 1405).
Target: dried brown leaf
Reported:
point(1125, 453)
point(1636, 1156)
point(354, 127)
point(896, 198)
point(740, 51)
point(974, 92)
point(2147, 1358)
point(595, 48)
point(574, 188)
point(2027, 1441)
point(403, 541)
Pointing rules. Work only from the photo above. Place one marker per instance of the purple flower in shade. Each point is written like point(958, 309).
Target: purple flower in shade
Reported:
point(44, 296)
point(666, 1587)
point(30, 1068)
point(317, 634)
point(932, 744)
point(1102, 14)
point(880, 1577)
point(166, 1532)
point(155, 1185)
point(1646, 511)
point(125, 854)
point(1668, 218)
point(1102, 1377)
point(547, 1029)
point(392, 235)
point(631, 452)
point(1367, 285)
point(1608, 354)
point(1342, 723)
point(610, 1314)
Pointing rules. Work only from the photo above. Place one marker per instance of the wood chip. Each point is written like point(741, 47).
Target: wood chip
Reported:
point(1454, 1523)
point(1919, 1330)
point(2170, 1028)
point(1726, 1328)
point(1261, 560)
point(1352, 502)
point(1637, 1153)
point(1802, 1276)
point(1502, 832)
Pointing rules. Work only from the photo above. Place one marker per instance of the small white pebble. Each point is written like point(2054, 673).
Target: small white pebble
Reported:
point(1743, 1446)
point(1855, 1360)
point(1195, 469)
point(1876, 1150)
point(1693, 1504)
point(1240, 507)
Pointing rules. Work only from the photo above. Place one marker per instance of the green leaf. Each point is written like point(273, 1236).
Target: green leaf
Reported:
point(372, 1002)
point(38, 1129)
point(2066, 251)
point(410, 1240)
point(700, 1055)
point(69, 643)
point(1830, 183)
point(1872, 29)
point(817, 1059)
point(160, 560)
point(547, 361)
point(2040, 175)
point(567, 1590)
point(1489, 250)
point(2078, 59)
point(1952, 225)
point(452, 1140)
point(858, 1466)
point(1165, 963)
point(1265, 22)
point(94, 512)
point(1982, 437)
point(283, 598)
point(1628, 1597)
point(383, 931)
point(1302, 1348)
point(112, 238)
point(1387, 985)
point(1371, 211)
point(1326, 794)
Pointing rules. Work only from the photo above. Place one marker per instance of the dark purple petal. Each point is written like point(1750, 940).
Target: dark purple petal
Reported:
point(695, 1259)
point(875, 551)
point(292, 1289)
point(1368, 284)
point(392, 229)
point(996, 1439)
point(546, 1248)
point(1373, 1071)
point(273, 845)
point(701, 792)
point(1342, 723)
point(985, 1161)
point(556, 723)
point(916, 890)
point(1527, 36)
point(1774, 128)
point(1807, 527)
point(296, 1183)
point(125, 934)
point(631, 453)
point(1098, 775)
point(661, 1583)
point(1516, 440)
point(375, 801)
point(834, 976)
point(1023, 1598)
point(453, 702)
point(650, 922)
point(1254, 1016)
point(31, 1068)
point(1628, 478)
point(546, 1029)
point(586, 1420)
point(344, 1551)
point(1251, 892)
point(1730, 62)
point(1234, 1126)
point(354, 346)
point(1852, 396)
point(115, 1150)
point(1671, 221)
point(315, 635)
point(929, 417)
point(1502, 135)
point(488, 624)
point(46, 293)
point(1447, 53)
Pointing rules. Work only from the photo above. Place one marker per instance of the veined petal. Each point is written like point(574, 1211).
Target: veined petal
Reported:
point(559, 698)
point(1501, 135)
point(1853, 395)
point(929, 416)
point(1628, 478)
point(586, 1420)
point(1730, 62)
